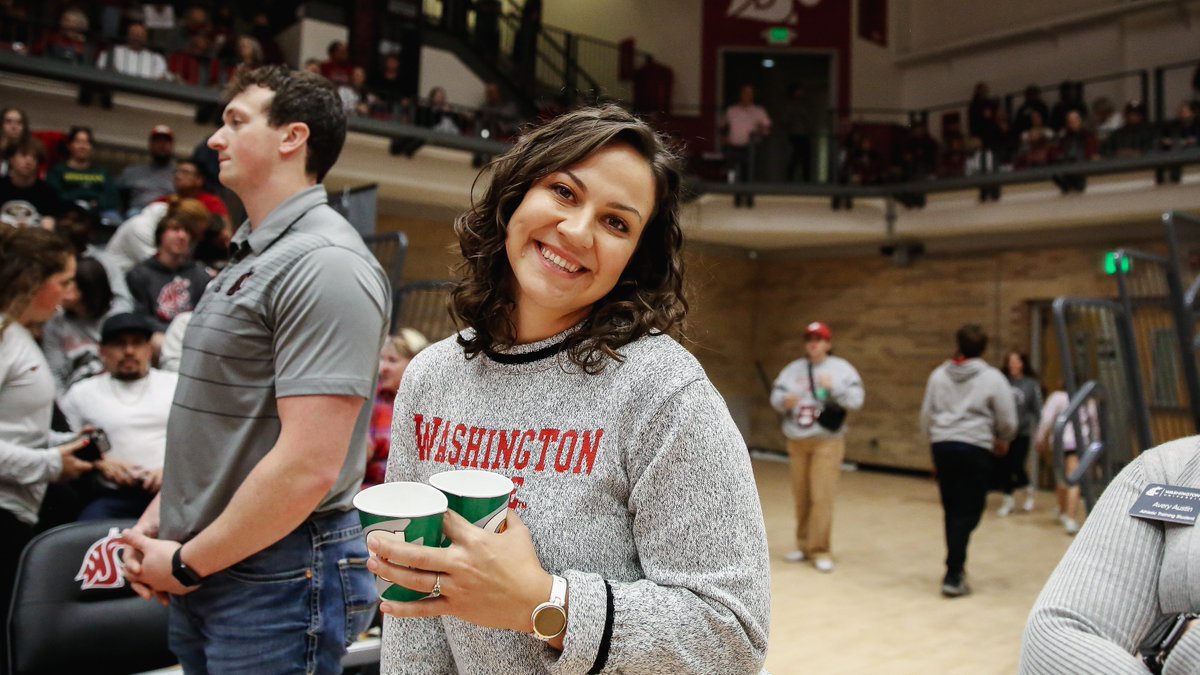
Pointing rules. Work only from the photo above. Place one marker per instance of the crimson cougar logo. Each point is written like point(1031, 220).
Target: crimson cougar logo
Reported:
point(102, 564)
point(1154, 491)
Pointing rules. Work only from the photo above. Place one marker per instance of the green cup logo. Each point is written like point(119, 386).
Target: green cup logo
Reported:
point(413, 510)
point(479, 496)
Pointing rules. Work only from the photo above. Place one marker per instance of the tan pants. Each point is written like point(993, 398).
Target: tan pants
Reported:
point(816, 464)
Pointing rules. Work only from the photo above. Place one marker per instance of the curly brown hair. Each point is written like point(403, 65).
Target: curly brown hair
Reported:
point(648, 297)
point(28, 257)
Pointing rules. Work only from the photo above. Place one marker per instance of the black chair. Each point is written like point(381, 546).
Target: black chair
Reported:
point(73, 612)
point(423, 305)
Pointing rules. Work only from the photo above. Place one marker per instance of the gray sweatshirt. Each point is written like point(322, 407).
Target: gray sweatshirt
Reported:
point(1119, 576)
point(968, 401)
point(637, 476)
point(1027, 394)
point(800, 420)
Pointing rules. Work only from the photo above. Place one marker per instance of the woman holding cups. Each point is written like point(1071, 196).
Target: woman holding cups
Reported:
point(635, 541)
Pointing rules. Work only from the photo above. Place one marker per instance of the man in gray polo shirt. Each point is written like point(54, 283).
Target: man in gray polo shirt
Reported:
point(266, 435)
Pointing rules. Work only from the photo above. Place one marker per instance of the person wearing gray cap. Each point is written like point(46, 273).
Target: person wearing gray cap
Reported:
point(130, 403)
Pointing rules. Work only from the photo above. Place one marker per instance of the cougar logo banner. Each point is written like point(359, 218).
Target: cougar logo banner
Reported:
point(769, 11)
point(103, 566)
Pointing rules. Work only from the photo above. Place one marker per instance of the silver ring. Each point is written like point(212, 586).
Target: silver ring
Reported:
point(437, 586)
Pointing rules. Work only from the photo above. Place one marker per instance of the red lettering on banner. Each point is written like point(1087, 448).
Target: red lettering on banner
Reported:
point(547, 437)
point(589, 450)
point(561, 465)
point(522, 453)
point(474, 442)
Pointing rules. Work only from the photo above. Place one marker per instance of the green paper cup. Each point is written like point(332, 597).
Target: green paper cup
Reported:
point(414, 510)
point(479, 496)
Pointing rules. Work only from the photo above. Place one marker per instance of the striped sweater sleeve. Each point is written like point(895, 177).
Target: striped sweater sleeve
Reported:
point(1104, 596)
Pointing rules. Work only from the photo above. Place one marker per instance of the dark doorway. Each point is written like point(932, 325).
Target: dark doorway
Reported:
point(774, 73)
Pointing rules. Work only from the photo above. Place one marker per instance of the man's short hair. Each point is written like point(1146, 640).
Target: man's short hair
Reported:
point(972, 340)
point(300, 96)
point(26, 146)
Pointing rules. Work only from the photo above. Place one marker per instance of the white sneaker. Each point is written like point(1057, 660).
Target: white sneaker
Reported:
point(1028, 505)
point(794, 556)
point(1070, 525)
point(823, 565)
point(1007, 507)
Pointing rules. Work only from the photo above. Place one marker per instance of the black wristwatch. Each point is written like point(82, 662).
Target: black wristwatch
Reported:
point(1158, 644)
point(182, 573)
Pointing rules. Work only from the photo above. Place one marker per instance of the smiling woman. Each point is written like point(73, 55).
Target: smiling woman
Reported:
point(634, 540)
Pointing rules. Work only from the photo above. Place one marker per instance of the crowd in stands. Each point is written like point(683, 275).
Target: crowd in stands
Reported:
point(1036, 135)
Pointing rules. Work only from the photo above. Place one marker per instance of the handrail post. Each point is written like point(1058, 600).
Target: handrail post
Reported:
point(1159, 94)
point(1144, 79)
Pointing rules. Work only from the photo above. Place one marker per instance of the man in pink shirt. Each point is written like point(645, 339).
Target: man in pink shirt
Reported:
point(745, 123)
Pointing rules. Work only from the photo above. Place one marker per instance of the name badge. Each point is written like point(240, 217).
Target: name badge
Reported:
point(1167, 503)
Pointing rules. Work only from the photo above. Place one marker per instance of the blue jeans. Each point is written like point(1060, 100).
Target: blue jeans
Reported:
point(293, 607)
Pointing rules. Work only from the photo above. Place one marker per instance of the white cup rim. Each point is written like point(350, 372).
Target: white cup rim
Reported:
point(401, 499)
point(472, 483)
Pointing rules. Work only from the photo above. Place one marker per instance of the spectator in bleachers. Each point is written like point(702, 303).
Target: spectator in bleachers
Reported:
point(1135, 137)
point(144, 183)
point(1033, 103)
point(435, 113)
point(981, 115)
point(392, 89)
point(1037, 143)
point(799, 130)
point(1105, 118)
point(1007, 141)
point(497, 116)
point(1070, 98)
point(15, 129)
point(338, 69)
point(171, 281)
point(860, 165)
point(953, 160)
point(918, 152)
point(354, 95)
point(135, 57)
point(130, 402)
point(189, 184)
point(1076, 143)
point(69, 42)
point(249, 55)
point(36, 269)
point(313, 66)
point(195, 64)
point(195, 22)
point(25, 199)
point(78, 226)
point(262, 33)
point(77, 179)
point(397, 351)
point(1178, 134)
point(745, 124)
point(71, 339)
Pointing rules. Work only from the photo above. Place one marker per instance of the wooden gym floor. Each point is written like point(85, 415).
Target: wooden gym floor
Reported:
point(881, 610)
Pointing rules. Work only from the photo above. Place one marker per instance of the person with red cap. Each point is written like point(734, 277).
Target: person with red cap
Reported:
point(812, 395)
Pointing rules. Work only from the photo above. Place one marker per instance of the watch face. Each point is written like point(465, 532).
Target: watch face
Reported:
point(550, 620)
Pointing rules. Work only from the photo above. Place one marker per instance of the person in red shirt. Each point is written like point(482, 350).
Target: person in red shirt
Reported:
point(189, 183)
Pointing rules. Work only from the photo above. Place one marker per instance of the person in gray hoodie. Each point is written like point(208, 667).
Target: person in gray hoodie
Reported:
point(968, 414)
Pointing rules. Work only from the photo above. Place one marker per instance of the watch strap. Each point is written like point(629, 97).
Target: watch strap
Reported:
point(557, 604)
point(182, 573)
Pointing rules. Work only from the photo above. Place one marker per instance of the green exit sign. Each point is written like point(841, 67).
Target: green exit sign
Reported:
point(1111, 261)
point(779, 35)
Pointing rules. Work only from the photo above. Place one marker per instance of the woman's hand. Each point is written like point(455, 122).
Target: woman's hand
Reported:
point(491, 580)
point(72, 466)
